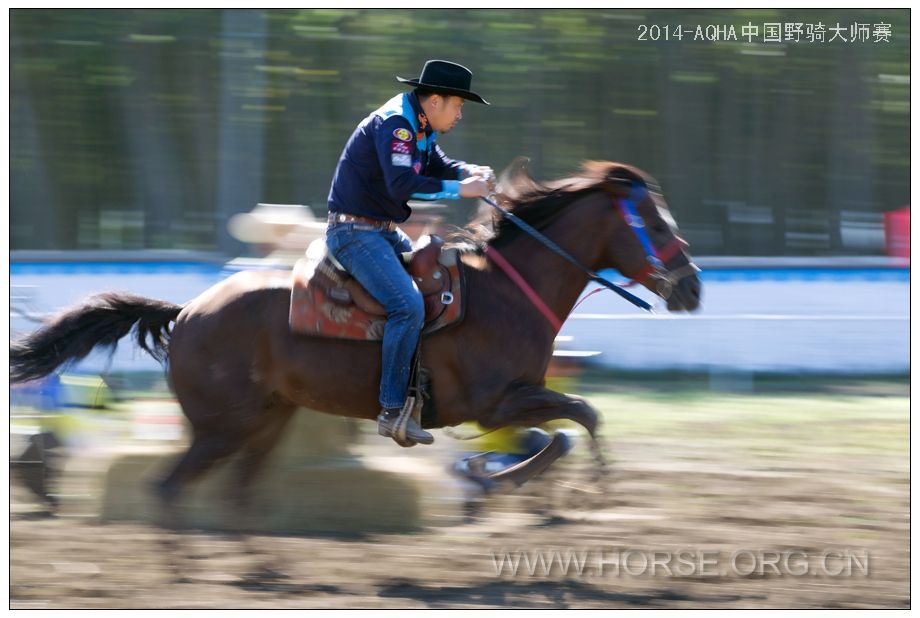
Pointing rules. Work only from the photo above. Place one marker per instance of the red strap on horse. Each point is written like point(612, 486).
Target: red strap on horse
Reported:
point(528, 291)
point(670, 250)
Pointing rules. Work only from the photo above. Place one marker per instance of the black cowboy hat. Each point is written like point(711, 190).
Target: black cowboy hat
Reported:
point(446, 77)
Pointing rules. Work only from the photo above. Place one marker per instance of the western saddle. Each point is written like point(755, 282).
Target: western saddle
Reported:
point(327, 301)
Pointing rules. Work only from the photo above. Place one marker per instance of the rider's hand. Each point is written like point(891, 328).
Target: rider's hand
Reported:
point(482, 171)
point(474, 187)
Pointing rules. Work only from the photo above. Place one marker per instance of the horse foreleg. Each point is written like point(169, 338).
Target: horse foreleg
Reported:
point(529, 405)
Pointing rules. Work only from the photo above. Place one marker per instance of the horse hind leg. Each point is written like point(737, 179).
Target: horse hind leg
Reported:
point(222, 414)
point(208, 447)
point(254, 443)
point(275, 417)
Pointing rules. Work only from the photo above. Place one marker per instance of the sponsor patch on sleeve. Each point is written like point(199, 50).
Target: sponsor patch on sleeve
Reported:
point(402, 135)
point(401, 160)
point(401, 147)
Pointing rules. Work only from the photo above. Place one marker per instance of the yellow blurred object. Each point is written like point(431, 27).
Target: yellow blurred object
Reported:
point(511, 439)
point(560, 383)
point(507, 439)
point(83, 391)
point(504, 440)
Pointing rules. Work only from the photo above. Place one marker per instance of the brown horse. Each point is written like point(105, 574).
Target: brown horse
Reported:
point(239, 373)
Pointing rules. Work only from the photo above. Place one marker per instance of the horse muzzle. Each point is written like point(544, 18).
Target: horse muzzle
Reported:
point(680, 288)
point(684, 291)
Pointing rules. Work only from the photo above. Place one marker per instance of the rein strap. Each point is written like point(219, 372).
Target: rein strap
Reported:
point(549, 244)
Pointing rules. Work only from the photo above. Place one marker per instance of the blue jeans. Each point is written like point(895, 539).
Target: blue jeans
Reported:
point(370, 256)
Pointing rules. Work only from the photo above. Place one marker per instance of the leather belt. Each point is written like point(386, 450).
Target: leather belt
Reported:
point(341, 217)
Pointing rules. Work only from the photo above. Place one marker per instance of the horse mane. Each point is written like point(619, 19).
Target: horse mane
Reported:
point(540, 203)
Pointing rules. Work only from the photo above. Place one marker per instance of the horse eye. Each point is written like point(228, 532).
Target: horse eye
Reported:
point(659, 228)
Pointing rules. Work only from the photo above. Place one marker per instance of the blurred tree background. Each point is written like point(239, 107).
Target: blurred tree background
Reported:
point(150, 128)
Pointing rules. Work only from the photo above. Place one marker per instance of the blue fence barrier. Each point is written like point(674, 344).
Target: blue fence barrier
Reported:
point(758, 314)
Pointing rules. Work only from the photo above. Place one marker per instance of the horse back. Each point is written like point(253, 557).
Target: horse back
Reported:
point(244, 287)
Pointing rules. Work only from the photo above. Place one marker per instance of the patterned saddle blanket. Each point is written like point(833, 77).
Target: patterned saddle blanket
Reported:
point(326, 301)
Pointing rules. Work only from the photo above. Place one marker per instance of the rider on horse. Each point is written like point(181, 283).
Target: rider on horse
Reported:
point(391, 157)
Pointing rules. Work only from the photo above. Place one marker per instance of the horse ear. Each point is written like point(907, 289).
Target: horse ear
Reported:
point(618, 177)
point(516, 181)
point(516, 168)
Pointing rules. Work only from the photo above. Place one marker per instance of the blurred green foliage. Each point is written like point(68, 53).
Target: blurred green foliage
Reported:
point(150, 128)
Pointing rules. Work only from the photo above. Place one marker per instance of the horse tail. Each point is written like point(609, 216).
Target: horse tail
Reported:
point(100, 321)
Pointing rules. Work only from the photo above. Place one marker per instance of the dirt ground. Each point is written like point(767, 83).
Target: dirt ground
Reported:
point(734, 480)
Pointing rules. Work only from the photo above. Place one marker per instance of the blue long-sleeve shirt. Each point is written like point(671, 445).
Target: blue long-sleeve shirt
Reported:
point(389, 159)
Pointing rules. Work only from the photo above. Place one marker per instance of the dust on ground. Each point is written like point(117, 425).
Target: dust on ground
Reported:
point(818, 480)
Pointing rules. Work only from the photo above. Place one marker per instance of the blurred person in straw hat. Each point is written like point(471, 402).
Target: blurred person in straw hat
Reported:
point(278, 232)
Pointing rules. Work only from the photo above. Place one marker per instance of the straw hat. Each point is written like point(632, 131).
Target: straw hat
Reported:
point(269, 223)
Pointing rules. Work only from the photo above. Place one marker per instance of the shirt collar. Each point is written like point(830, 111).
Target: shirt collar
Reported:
point(420, 117)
